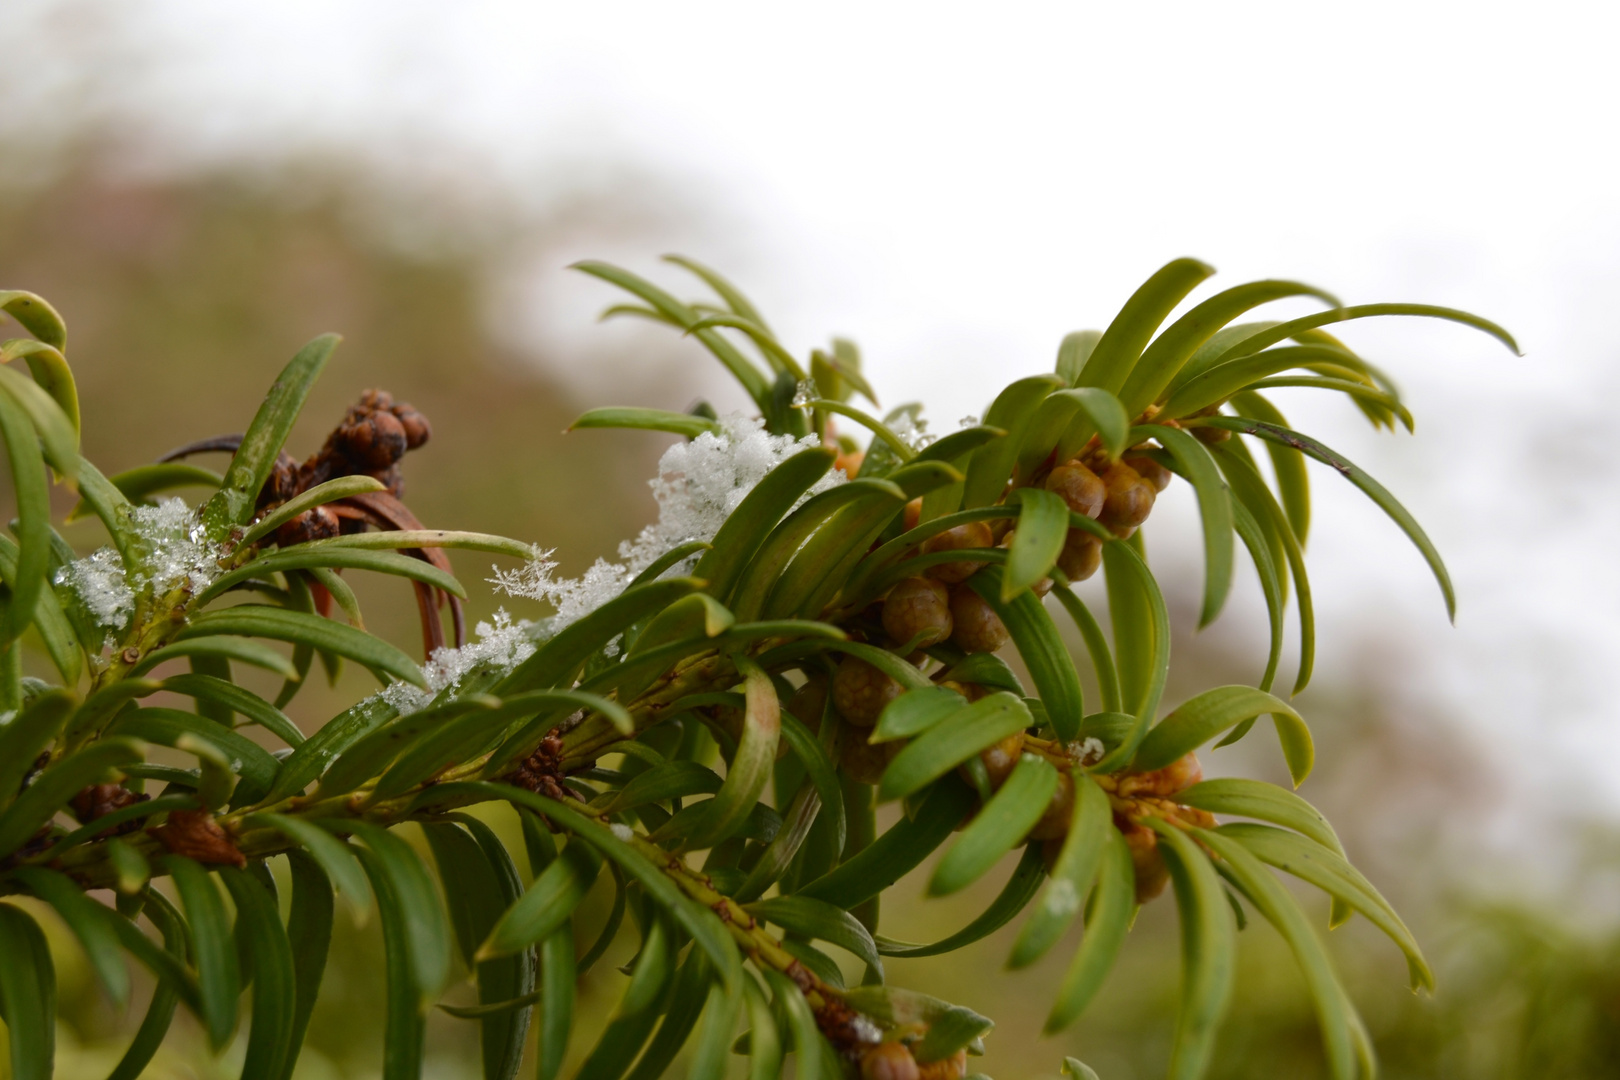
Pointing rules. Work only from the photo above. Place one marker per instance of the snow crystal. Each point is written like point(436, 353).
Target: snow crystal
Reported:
point(502, 645)
point(865, 1030)
point(805, 393)
point(1089, 751)
point(911, 427)
point(99, 580)
point(968, 421)
point(1062, 898)
point(174, 548)
point(623, 832)
point(699, 484)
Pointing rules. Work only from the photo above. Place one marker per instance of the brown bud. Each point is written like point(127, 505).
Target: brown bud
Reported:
point(1081, 555)
point(375, 440)
point(1151, 471)
point(888, 1061)
point(1179, 775)
point(1000, 758)
point(1210, 435)
point(913, 513)
point(316, 523)
point(1054, 821)
point(1079, 487)
point(975, 534)
point(196, 835)
point(808, 702)
point(1151, 873)
point(861, 692)
point(1130, 498)
point(850, 463)
point(917, 606)
point(99, 800)
point(946, 1068)
point(976, 626)
point(417, 428)
point(864, 761)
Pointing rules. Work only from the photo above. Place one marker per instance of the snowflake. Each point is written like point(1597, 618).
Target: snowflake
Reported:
point(173, 548)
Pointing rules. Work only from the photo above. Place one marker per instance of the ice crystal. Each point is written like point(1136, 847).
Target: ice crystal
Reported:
point(175, 547)
point(501, 645)
point(805, 393)
point(102, 587)
point(1089, 751)
point(699, 484)
point(623, 832)
point(968, 421)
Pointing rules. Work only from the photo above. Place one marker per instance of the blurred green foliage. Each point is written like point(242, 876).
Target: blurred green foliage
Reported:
point(196, 291)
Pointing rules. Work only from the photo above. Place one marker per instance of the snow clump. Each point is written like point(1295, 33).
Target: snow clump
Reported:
point(502, 645)
point(174, 548)
point(699, 484)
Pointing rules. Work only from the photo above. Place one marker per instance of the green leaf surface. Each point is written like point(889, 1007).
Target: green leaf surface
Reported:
point(817, 920)
point(404, 1029)
point(168, 727)
point(952, 741)
point(1214, 512)
point(547, 905)
point(1263, 802)
point(280, 624)
point(33, 528)
point(1329, 871)
point(36, 315)
point(683, 424)
point(160, 1010)
point(897, 852)
point(275, 989)
point(556, 662)
point(228, 648)
point(1163, 360)
point(915, 712)
point(556, 1002)
point(27, 995)
point(1117, 352)
point(1107, 922)
point(1201, 718)
point(1043, 527)
point(1041, 647)
point(992, 464)
point(1293, 485)
point(254, 458)
point(1091, 633)
point(24, 736)
point(1208, 951)
point(412, 896)
point(1373, 489)
point(1335, 1014)
point(89, 922)
point(341, 487)
point(1073, 875)
point(309, 932)
point(315, 754)
point(219, 980)
point(1093, 411)
point(336, 859)
point(1015, 895)
point(238, 699)
point(1001, 824)
point(1141, 626)
point(58, 783)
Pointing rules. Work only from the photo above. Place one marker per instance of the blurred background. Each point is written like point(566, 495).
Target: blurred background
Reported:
point(200, 188)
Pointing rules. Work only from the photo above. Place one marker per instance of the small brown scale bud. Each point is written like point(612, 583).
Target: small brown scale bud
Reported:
point(99, 800)
point(196, 835)
point(918, 609)
point(1079, 487)
point(975, 534)
point(976, 626)
point(316, 523)
point(861, 692)
point(864, 761)
point(808, 702)
point(1054, 822)
point(946, 1068)
point(1081, 555)
point(850, 463)
point(1151, 873)
point(913, 515)
point(1179, 775)
point(888, 1061)
point(1130, 499)
point(1151, 471)
point(417, 429)
point(1000, 759)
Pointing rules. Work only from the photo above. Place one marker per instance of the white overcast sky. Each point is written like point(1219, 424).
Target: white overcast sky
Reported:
point(958, 185)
